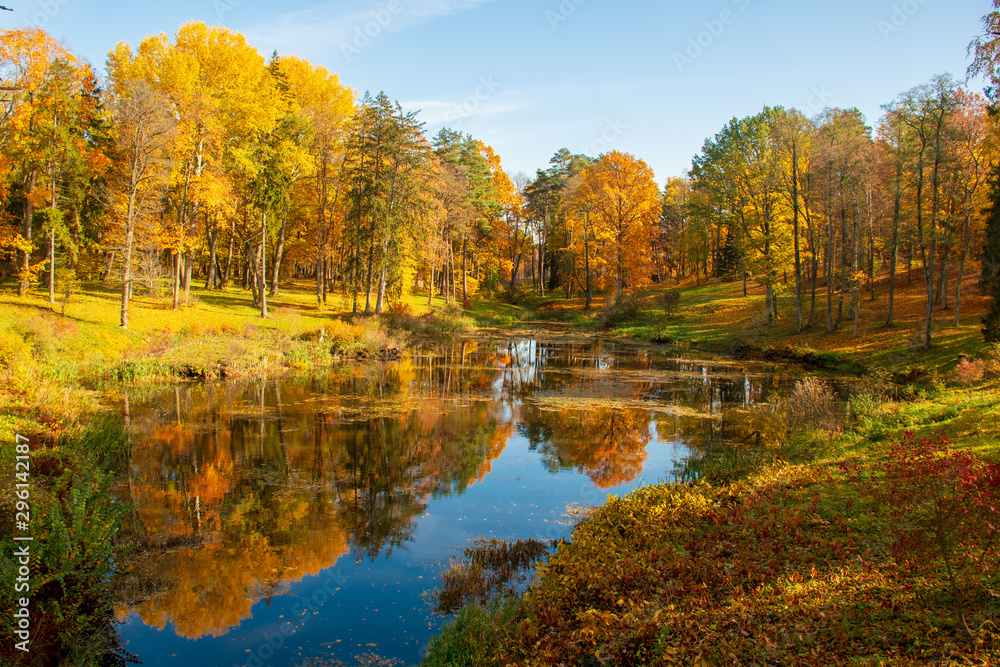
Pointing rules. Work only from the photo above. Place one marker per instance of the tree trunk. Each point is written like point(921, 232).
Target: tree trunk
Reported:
point(52, 264)
point(795, 231)
point(451, 274)
point(356, 277)
point(895, 243)
point(213, 243)
point(430, 287)
point(465, 271)
point(930, 256)
point(263, 266)
point(857, 281)
point(929, 277)
point(830, 253)
point(843, 265)
point(182, 220)
point(371, 276)
point(541, 254)
point(251, 278)
point(127, 269)
point(381, 289)
point(942, 288)
point(28, 212)
point(772, 275)
point(619, 286)
point(586, 250)
point(534, 280)
point(188, 266)
point(279, 252)
point(813, 265)
point(871, 249)
point(326, 277)
point(320, 279)
point(176, 280)
point(229, 259)
point(962, 263)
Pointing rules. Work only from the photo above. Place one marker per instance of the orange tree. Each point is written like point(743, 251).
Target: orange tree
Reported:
point(626, 206)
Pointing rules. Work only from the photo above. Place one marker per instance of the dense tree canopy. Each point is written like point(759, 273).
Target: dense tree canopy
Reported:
point(199, 157)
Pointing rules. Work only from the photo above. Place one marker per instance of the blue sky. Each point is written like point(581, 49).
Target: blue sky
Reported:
point(531, 76)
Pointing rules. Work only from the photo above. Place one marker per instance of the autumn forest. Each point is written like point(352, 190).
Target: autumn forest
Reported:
point(291, 379)
point(198, 159)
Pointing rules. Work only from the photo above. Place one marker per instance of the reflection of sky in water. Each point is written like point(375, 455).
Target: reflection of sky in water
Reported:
point(265, 504)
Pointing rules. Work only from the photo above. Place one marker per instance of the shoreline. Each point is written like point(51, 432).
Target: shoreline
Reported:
point(73, 379)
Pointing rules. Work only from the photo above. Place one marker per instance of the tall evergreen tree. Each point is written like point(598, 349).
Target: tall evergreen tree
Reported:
point(989, 281)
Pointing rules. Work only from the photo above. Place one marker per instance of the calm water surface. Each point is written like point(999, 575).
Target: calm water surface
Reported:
point(328, 507)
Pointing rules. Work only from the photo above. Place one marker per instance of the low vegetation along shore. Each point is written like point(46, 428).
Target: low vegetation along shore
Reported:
point(861, 543)
point(868, 543)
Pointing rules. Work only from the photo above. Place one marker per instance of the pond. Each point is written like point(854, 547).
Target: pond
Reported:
point(292, 519)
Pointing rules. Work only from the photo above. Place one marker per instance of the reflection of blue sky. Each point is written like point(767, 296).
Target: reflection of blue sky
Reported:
point(383, 602)
point(525, 494)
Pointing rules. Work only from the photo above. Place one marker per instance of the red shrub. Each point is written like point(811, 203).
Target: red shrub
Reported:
point(943, 507)
point(969, 373)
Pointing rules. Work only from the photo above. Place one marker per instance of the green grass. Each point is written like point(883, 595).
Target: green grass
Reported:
point(758, 559)
point(57, 370)
point(715, 316)
point(54, 364)
point(476, 636)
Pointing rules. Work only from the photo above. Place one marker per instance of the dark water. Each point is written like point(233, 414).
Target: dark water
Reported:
point(328, 507)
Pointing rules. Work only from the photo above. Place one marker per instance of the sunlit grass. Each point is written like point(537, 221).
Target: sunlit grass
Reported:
point(50, 354)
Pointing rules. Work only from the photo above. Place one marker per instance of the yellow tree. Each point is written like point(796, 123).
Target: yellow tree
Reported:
point(512, 236)
point(498, 195)
point(142, 129)
point(28, 60)
point(626, 203)
point(224, 99)
point(327, 106)
point(508, 228)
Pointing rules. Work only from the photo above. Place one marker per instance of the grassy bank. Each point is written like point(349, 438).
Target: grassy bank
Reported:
point(717, 316)
point(787, 554)
point(61, 370)
point(871, 544)
point(865, 547)
point(56, 360)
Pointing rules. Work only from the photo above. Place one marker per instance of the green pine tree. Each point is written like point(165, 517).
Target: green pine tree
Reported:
point(989, 281)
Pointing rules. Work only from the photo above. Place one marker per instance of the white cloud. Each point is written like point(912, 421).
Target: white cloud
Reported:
point(455, 112)
point(350, 26)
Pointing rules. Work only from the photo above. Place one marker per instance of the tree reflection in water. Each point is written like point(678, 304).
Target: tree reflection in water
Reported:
point(246, 487)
